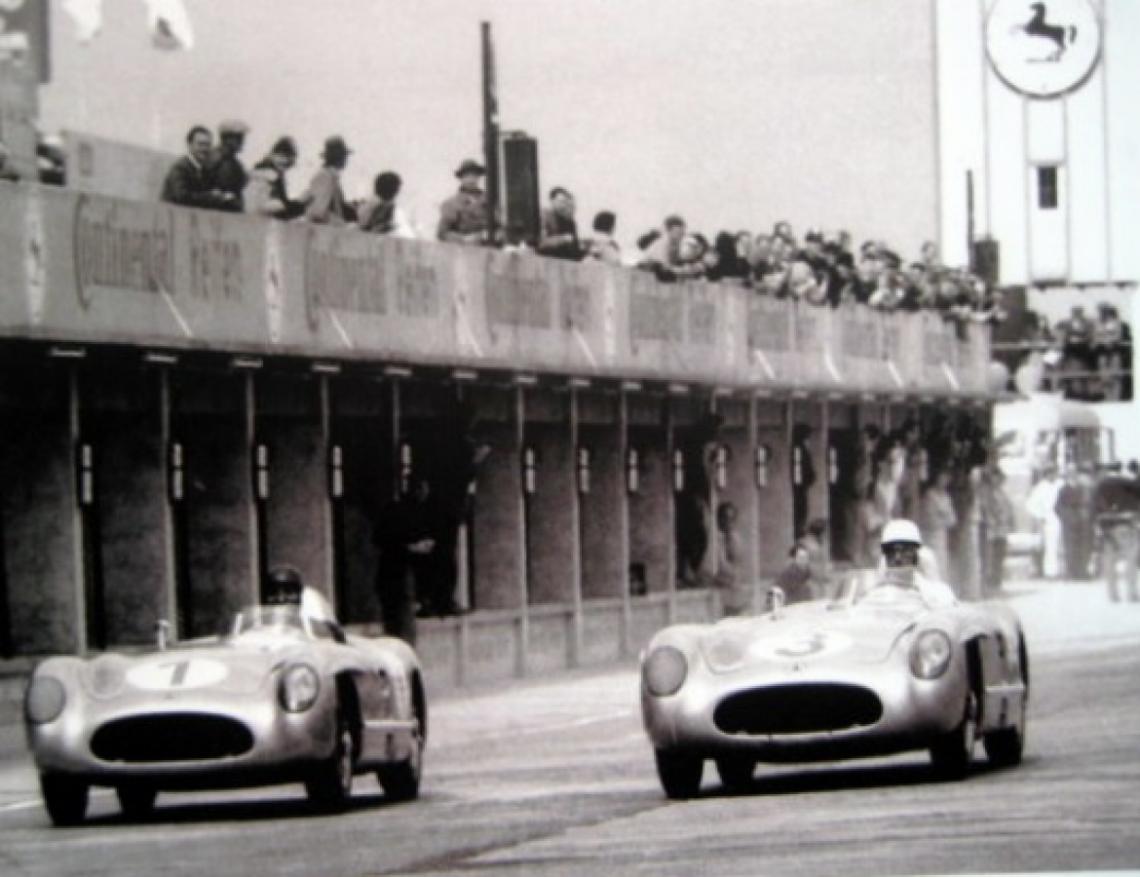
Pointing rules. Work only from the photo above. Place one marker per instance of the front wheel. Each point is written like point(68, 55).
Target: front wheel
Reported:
point(65, 799)
point(679, 772)
point(952, 752)
point(401, 781)
point(735, 771)
point(136, 802)
point(330, 785)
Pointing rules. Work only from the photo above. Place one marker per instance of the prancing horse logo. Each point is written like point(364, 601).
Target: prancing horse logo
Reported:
point(1062, 36)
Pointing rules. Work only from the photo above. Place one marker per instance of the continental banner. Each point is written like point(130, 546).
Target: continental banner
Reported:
point(87, 268)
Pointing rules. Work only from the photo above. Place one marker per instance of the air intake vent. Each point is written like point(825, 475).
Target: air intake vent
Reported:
point(173, 737)
point(798, 709)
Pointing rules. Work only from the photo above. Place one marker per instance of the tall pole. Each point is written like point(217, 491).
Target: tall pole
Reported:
point(490, 134)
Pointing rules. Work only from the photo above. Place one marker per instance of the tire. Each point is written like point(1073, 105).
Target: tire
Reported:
point(1004, 747)
point(735, 771)
point(680, 773)
point(136, 802)
point(330, 785)
point(952, 752)
point(65, 799)
point(401, 781)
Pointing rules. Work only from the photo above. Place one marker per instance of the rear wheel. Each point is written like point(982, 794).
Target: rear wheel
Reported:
point(679, 772)
point(136, 802)
point(65, 799)
point(952, 752)
point(330, 785)
point(735, 771)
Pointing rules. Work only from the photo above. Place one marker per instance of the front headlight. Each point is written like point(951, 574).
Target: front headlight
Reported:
point(664, 671)
point(300, 686)
point(930, 655)
point(44, 700)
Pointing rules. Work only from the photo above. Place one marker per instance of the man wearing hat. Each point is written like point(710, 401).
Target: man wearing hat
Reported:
point(324, 200)
point(229, 173)
point(463, 217)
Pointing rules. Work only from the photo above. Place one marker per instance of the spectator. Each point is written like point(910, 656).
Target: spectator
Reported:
point(7, 172)
point(1042, 507)
point(1116, 510)
point(803, 476)
point(813, 542)
point(464, 218)
point(51, 161)
point(381, 214)
point(191, 181)
point(938, 519)
point(735, 593)
point(1112, 342)
point(662, 255)
point(1078, 361)
point(516, 241)
point(730, 265)
point(266, 193)
point(1071, 508)
point(744, 246)
point(558, 234)
point(795, 578)
point(229, 173)
point(996, 512)
point(324, 201)
point(691, 258)
point(760, 259)
point(406, 543)
point(602, 246)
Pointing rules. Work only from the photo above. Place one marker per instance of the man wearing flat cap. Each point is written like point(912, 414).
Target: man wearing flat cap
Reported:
point(324, 201)
point(229, 173)
point(463, 217)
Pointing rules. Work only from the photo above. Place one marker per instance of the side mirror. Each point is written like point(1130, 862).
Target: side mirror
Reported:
point(162, 633)
point(776, 601)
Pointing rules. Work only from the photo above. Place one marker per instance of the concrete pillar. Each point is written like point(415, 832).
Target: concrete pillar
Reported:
point(211, 422)
point(843, 441)
point(290, 424)
point(773, 485)
point(604, 569)
point(498, 537)
point(41, 533)
point(551, 532)
point(122, 419)
point(651, 503)
point(809, 414)
point(361, 414)
point(739, 483)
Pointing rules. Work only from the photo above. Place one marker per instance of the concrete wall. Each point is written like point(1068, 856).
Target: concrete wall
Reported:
point(297, 510)
point(651, 505)
point(40, 519)
point(603, 511)
point(212, 421)
point(121, 417)
point(551, 526)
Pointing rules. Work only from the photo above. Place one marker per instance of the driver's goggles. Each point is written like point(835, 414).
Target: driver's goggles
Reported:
point(901, 554)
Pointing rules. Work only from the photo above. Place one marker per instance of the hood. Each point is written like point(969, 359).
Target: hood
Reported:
point(221, 666)
point(808, 634)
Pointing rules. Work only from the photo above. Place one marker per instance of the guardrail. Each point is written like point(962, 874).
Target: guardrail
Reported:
point(93, 269)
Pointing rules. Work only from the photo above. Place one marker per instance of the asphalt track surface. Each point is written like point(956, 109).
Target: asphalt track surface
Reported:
point(555, 776)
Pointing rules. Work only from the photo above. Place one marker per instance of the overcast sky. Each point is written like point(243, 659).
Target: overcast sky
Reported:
point(710, 108)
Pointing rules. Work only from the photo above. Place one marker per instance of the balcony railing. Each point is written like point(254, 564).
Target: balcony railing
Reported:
point(92, 269)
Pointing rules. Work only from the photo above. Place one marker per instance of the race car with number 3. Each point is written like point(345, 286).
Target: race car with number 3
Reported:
point(875, 671)
point(281, 697)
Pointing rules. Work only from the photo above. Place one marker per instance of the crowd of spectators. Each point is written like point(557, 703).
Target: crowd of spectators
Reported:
point(1082, 357)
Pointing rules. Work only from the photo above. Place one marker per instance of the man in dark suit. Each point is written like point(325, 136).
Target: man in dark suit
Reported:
point(191, 181)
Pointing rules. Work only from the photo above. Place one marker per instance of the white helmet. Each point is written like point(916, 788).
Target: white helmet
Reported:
point(901, 530)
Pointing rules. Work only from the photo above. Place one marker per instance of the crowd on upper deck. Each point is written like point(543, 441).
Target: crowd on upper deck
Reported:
point(1083, 358)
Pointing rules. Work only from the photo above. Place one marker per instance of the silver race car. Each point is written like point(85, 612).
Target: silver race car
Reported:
point(874, 671)
point(281, 697)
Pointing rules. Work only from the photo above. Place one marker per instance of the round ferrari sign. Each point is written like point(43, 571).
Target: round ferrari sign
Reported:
point(1043, 49)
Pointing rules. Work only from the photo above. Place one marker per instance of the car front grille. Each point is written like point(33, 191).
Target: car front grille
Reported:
point(171, 737)
point(798, 709)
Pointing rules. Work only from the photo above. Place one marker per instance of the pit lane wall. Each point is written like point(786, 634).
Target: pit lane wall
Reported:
point(150, 472)
point(101, 270)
